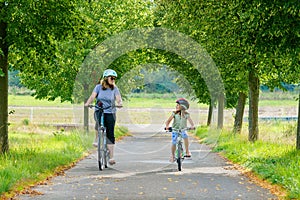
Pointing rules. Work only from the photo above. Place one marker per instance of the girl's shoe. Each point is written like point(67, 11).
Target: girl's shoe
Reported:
point(172, 159)
point(189, 155)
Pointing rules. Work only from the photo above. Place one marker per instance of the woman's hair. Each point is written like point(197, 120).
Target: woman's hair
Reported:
point(106, 85)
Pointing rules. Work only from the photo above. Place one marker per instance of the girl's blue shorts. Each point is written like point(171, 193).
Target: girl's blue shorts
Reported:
point(174, 136)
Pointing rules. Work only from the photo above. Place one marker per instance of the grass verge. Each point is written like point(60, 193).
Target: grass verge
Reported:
point(275, 162)
point(36, 154)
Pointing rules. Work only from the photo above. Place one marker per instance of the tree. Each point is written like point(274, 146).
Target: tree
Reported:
point(298, 126)
point(187, 17)
point(3, 81)
point(30, 33)
point(268, 43)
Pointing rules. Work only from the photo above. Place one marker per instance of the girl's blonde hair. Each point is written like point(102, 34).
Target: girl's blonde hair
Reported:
point(179, 112)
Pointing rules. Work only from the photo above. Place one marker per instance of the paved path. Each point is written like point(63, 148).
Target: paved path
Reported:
point(144, 172)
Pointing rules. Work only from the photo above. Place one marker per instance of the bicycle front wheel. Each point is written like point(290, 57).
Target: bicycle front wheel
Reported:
point(105, 151)
point(101, 155)
point(179, 158)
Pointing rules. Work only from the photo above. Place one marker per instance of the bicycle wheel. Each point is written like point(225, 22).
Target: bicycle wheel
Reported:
point(105, 150)
point(101, 155)
point(179, 160)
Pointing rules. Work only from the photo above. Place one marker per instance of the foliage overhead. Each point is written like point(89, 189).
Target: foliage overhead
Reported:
point(58, 35)
point(240, 36)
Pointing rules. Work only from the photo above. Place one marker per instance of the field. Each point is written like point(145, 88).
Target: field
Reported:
point(138, 109)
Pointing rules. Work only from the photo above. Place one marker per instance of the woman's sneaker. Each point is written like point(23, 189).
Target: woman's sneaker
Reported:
point(111, 161)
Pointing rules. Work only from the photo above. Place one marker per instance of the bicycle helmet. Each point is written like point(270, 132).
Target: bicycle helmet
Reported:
point(183, 102)
point(109, 72)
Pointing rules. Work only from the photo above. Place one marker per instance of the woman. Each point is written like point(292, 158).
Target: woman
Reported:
point(107, 93)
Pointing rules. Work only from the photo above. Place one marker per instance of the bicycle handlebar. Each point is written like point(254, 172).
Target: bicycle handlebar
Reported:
point(170, 129)
point(100, 107)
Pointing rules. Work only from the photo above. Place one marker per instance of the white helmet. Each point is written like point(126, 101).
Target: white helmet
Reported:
point(109, 72)
point(183, 102)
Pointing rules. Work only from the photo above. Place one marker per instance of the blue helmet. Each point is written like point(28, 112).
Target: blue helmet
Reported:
point(109, 72)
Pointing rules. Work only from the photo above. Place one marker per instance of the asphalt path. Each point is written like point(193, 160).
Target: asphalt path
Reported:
point(143, 171)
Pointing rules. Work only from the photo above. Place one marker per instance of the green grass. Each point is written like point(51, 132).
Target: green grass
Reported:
point(136, 101)
point(36, 152)
point(26, 100)
point(163, 102)
point(274, 161)
point(277, 103)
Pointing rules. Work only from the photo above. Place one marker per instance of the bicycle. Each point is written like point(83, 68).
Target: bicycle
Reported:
point(179, 153)
point(103, 152)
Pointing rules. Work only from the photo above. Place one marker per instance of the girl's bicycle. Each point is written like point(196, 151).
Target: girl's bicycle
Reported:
point(179, 153)
point(103, 152)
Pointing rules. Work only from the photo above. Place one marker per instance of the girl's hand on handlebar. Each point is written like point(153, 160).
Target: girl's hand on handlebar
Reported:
point(168, 129)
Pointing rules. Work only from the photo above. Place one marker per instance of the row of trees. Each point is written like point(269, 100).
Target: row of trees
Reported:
point(251, 43)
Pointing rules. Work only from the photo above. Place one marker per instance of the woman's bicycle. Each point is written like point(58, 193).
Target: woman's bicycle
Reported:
point(103, 153)
point(179, 152)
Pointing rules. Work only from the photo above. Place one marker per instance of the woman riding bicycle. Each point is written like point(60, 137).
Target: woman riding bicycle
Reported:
point(180, 117)
point(107, 93)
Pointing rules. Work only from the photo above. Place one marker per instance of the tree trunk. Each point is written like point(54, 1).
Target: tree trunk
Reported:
point(3, 87)
point(86, 111)
point(238, 119)
point(253, 105)
point(86, 118)
point(221, 111)
point(298, 126)
point(210, 111)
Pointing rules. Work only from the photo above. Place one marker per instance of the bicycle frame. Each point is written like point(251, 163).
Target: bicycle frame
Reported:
point(103, 153)
point(102, 144)
point(179, 153)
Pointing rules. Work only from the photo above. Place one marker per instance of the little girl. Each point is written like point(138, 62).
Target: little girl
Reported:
point(180, 116)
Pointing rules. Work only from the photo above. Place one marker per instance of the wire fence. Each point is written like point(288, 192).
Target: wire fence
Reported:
point(73, 115)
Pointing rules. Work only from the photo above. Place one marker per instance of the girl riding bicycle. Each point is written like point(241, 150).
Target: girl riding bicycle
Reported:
point(107, 93)
point(180, 117)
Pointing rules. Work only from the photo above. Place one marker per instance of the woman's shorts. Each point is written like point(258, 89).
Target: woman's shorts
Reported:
point(174, 136)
